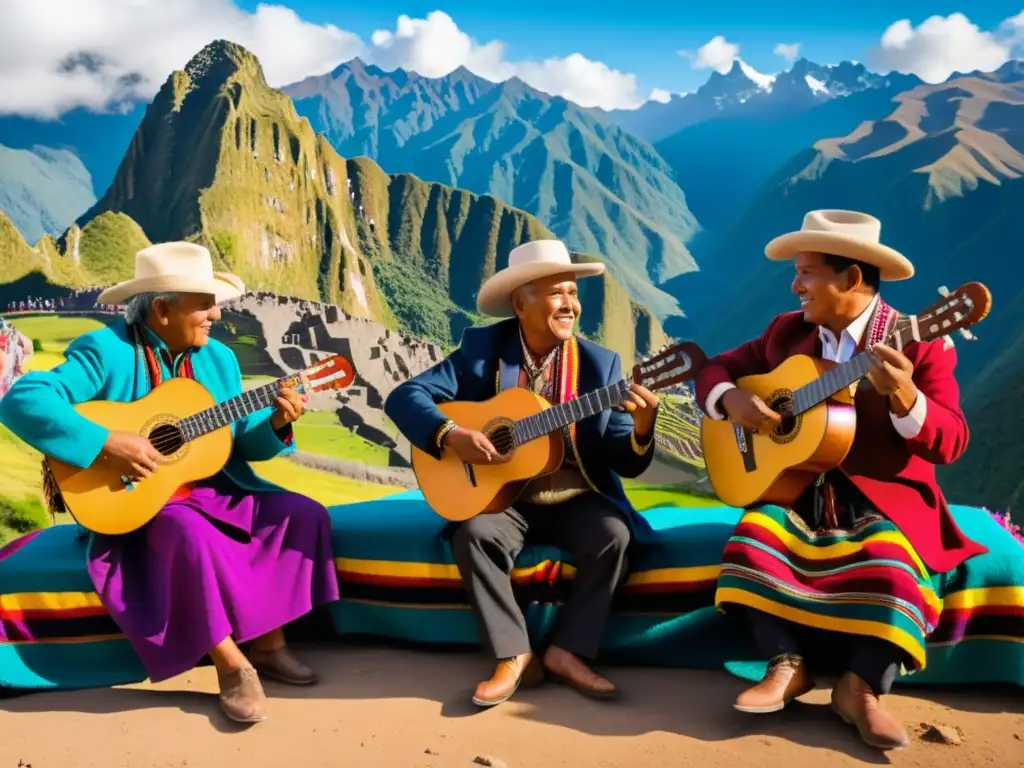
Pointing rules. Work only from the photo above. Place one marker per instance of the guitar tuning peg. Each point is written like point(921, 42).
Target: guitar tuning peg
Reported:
point(943, 291)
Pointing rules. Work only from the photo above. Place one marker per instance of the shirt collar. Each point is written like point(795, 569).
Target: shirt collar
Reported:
point(154, 341)
point(854, 330)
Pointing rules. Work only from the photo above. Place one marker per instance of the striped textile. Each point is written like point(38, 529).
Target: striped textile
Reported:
point(398, 581)
point(866, 581)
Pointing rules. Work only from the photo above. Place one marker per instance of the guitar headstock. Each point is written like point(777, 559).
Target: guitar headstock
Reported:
point(956, 310)
point(333, 372)
point(669, 366)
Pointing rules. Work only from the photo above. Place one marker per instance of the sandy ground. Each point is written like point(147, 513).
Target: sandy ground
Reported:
point(409, 709)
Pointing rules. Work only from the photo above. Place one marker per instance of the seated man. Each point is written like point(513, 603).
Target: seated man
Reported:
point(855, 554)
point(229, 560)
point(580, 507)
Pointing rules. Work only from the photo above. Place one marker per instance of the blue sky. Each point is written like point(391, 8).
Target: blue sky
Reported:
point(606, 53)
point(646, 42)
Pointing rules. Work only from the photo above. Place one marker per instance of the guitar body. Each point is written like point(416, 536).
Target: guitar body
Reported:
point(778, 468)
point(98, 499)
point(457, 491)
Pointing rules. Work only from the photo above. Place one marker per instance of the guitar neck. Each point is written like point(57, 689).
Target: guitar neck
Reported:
point(843, 375)
point(559, 416)
point(236, 408)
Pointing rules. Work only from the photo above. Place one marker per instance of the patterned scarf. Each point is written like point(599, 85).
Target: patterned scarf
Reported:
point(883, 321)
point(562, 365)
point(154, 370)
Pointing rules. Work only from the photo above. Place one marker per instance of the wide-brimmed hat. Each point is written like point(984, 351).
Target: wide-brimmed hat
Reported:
point(851, 234)
point(526, 263)
point(175, 268)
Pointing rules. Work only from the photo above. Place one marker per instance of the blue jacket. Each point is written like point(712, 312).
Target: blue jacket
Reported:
point(103, 365)
point(489, 361)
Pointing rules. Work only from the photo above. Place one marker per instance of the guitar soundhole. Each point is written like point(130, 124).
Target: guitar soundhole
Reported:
point(782, 404)
point(166, 438)
point(502, 439)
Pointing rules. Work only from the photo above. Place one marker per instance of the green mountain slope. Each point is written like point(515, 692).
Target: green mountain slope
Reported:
point(597, 187)
point(222, 159)
point(43, 190)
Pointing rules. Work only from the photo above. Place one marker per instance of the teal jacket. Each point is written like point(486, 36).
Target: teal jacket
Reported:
point(103, 365)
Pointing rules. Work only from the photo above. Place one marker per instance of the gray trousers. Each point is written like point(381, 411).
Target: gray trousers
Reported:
point(596, 535)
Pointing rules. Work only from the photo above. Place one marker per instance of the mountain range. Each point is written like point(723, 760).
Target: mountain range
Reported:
point(599, 188)
point(393, 196)
point(222, 159)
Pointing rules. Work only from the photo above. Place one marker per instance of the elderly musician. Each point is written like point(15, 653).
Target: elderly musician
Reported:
point(229, 560)
point(580, 507)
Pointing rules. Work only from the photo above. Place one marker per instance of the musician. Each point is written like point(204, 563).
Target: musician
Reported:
point(581, 507)
point(227, 561)
point(870, 533)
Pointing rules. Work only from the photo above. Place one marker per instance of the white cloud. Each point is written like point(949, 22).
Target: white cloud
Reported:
point(56, 55)
point(434, 46)
point(660, 95)
point(717, 54)
point(942, 45)
point(788, 51)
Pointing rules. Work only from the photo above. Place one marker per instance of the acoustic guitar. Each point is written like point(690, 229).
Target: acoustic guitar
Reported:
point(815, 398)
point(190, 430)
point(526, 431)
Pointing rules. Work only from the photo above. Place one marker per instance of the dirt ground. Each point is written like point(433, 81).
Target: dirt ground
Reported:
point(410, 709)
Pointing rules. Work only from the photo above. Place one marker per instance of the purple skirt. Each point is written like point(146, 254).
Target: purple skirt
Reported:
point(221, 562)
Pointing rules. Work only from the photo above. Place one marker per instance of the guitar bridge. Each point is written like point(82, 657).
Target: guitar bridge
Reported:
point(746, 447)
point(470, 474)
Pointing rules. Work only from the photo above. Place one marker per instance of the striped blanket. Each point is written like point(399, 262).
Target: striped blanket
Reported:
point(867, 581)
point(398, 580)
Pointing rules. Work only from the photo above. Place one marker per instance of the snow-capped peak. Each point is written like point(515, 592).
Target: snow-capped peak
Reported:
point(760, 79)
point(815, 85)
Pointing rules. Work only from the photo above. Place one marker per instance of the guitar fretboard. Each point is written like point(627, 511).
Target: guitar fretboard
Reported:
point(232, 410)
point(559, 416)
point(843, 375)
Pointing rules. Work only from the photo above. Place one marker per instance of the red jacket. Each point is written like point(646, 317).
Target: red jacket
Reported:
point(895, 474)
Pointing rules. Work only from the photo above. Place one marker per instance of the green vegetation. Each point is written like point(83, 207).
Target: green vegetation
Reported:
point(107, 247)
point(650, 496)
point(599, 188)
point(327, 488)
point(222, 159)
point(53, 333)
point(320, 433)
point(679, 430)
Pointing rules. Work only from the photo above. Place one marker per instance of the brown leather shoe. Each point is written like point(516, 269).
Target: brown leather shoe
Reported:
point(855, 702)
point(568, 669)
point(281, 665)
point(508, 676)
point(242, 697)
point(786, 679)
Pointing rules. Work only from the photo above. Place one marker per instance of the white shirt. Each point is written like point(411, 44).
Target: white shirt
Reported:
point(839, 351)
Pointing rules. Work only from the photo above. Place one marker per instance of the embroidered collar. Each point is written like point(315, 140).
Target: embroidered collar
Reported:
point(162, 351)
point(533, 369)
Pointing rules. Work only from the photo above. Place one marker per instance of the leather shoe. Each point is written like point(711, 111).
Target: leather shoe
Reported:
point(786, 679)
point(281, 665)
point(855, 702)
point(568, 669)
point(241, 696)
point(508, 676)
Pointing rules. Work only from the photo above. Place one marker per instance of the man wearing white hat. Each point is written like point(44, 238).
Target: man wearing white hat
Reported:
point(843, 579)
point(232, 559)
point(581, 507)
